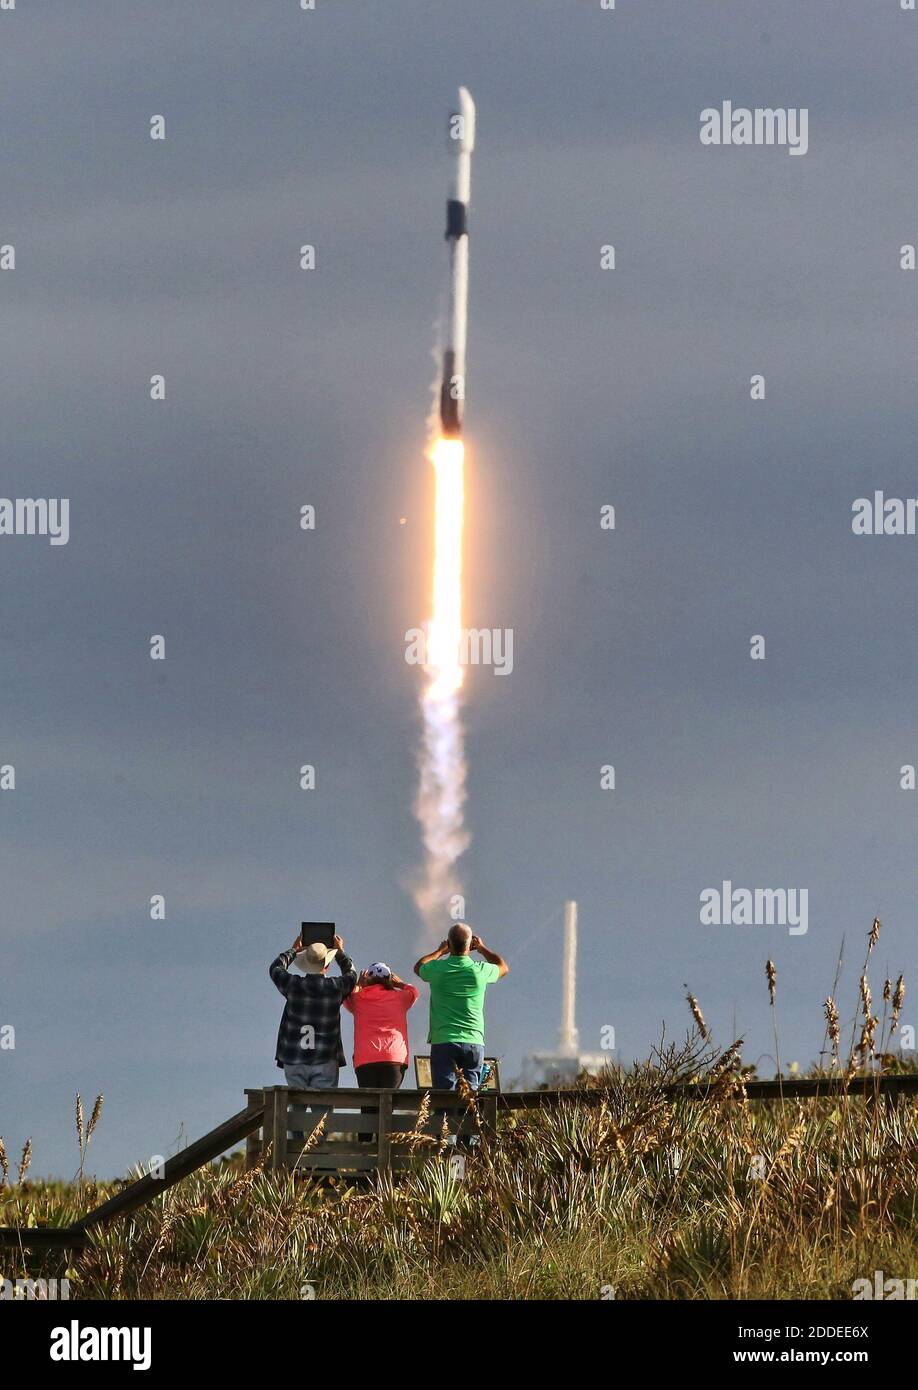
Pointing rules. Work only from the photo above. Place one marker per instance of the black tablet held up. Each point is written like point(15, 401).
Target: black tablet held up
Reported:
point(317, 931)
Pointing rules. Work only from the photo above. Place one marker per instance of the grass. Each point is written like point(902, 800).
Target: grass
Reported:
point(638, 1196)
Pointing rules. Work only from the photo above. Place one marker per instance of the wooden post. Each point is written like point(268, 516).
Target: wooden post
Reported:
point(275, 1128)
point(267, 1129)
point(384, 1131)
point(281, 1106)
point(488, 1107)
point(253, 1143)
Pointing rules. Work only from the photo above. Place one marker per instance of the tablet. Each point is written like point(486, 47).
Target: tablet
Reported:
point(317, 931)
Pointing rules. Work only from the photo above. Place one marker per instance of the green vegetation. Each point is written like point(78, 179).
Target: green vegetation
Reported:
point(650, 1197)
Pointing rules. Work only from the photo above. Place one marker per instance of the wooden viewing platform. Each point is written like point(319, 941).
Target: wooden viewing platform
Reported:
point(364, 1130)
point(275, 1114)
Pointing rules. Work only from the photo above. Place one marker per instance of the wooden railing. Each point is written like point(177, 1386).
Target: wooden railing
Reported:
point(142, 1189)
point(889, 1085)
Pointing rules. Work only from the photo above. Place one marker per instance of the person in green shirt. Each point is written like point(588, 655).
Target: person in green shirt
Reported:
point(457, 992)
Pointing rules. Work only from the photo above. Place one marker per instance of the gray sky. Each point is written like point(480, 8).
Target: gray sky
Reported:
point(585, 387)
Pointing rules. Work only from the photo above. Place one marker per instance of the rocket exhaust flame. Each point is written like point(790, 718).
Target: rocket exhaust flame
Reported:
point(441, 795)
point(444, 633)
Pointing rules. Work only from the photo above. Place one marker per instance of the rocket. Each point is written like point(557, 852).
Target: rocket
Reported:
point(452, 390)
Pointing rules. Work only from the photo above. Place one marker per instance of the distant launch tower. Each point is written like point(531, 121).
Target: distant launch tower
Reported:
point(568, 1044)
point(565, 1065)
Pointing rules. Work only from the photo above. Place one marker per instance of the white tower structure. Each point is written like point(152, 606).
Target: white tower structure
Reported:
point(568, 1045)
point(565, 1065)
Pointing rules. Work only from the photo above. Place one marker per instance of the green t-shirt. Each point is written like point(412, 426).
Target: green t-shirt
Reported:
point(457, 992)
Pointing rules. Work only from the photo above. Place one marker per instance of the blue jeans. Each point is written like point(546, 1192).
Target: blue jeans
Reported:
point(445, 1057)
point(312, 1076)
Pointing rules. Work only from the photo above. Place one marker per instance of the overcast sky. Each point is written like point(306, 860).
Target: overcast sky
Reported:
point(586, 387)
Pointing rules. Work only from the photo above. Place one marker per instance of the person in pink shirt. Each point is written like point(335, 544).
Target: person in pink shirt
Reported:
point(380, 1005)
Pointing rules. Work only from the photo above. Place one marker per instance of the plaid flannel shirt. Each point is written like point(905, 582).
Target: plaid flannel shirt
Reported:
point(313, 1001)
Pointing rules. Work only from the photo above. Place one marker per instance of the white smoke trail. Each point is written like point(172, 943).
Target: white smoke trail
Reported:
point(439, 808)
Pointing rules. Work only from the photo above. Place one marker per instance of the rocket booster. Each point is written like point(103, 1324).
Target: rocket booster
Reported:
point(452, 390)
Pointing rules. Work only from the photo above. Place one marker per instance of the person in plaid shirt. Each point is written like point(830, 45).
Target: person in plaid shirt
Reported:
point(309, 1039)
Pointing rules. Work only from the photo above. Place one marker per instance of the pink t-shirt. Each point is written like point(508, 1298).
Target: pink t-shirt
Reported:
point(380, 1023)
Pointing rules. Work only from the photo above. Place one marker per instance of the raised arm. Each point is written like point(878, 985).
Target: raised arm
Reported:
point(492, 957)
point(278, 968)
point(409, 991)
point(346, 966)
point(442, 950)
